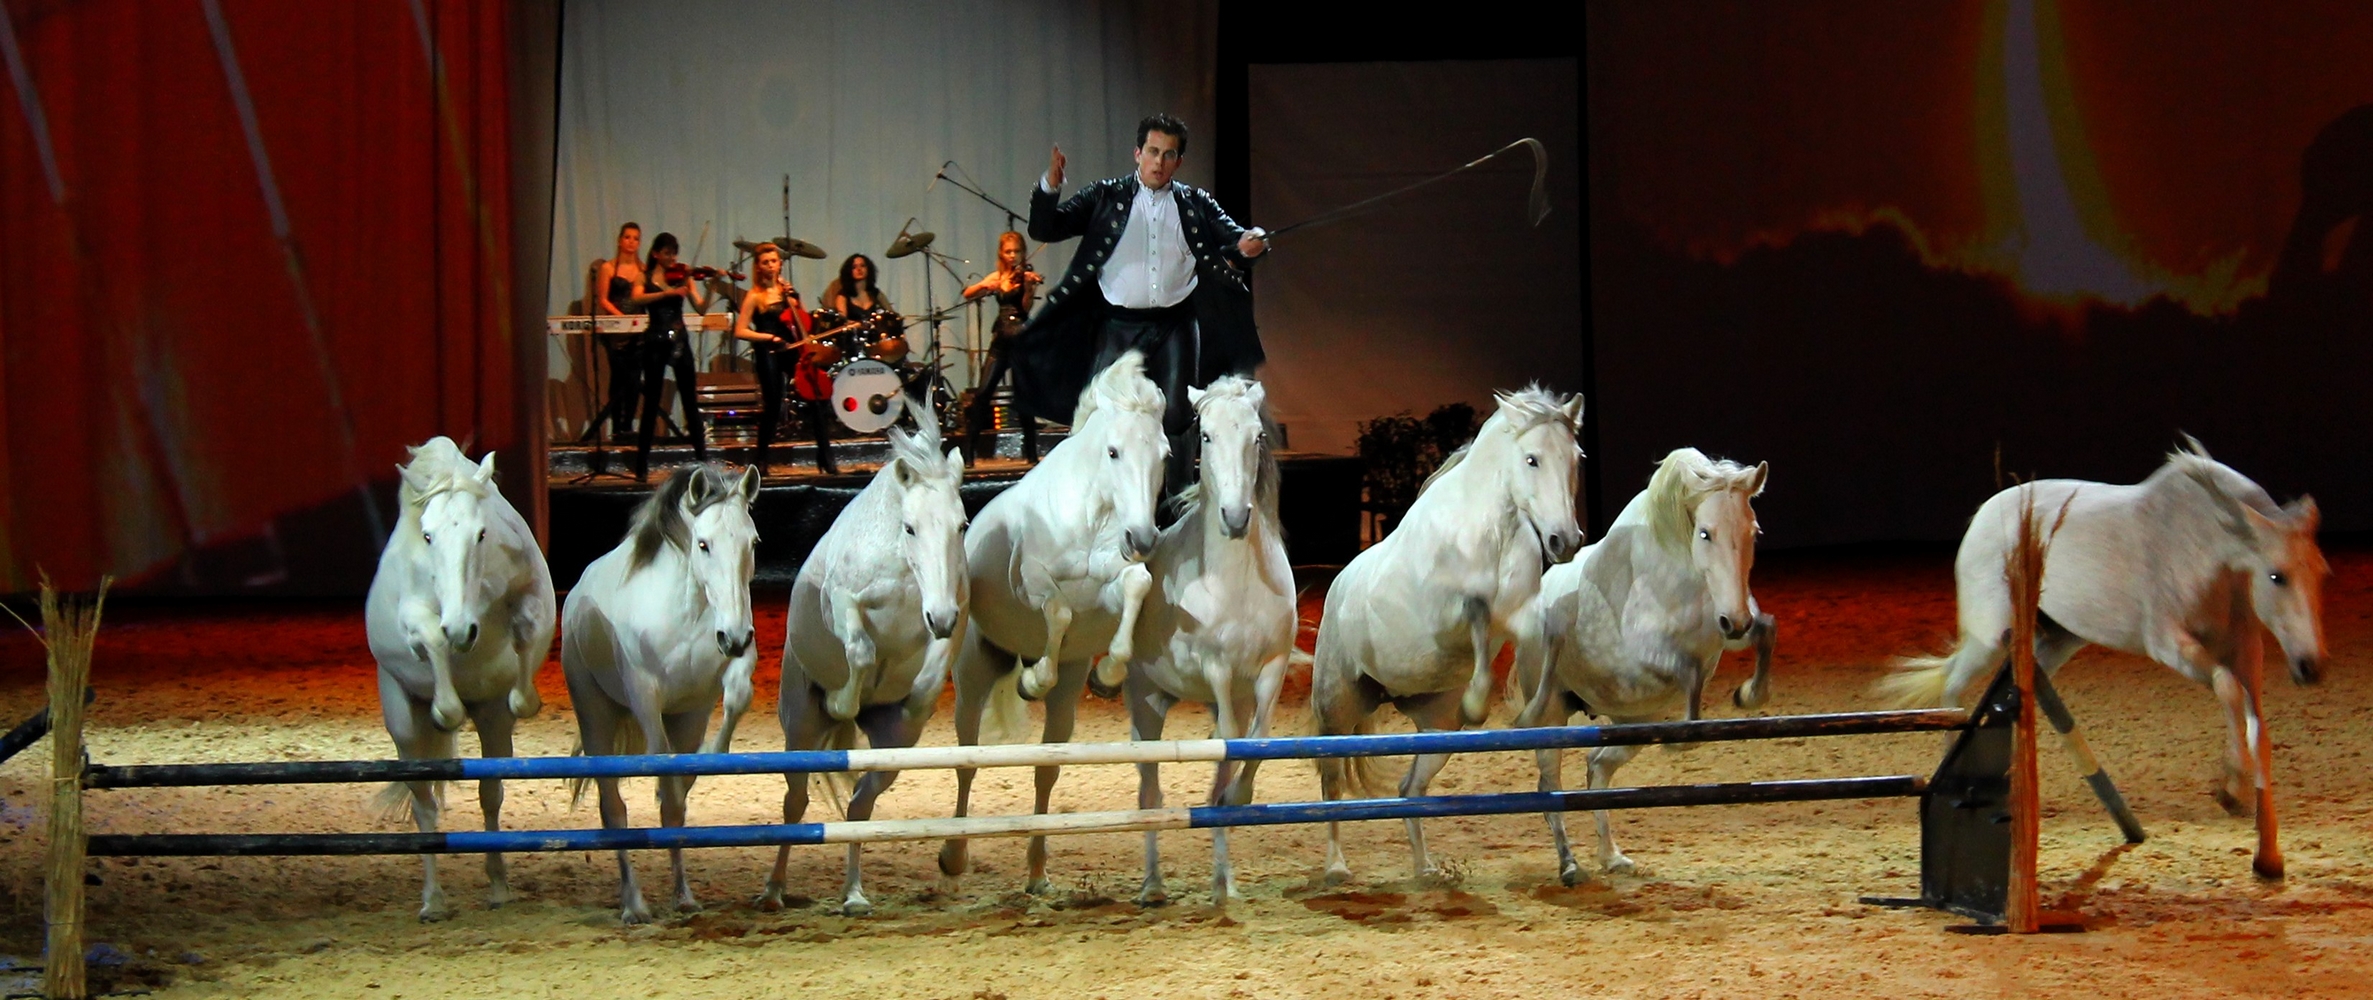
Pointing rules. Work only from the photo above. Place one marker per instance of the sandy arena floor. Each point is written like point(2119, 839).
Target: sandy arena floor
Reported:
point(1727, 902)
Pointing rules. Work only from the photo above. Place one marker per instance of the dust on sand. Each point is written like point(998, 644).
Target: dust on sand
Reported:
point(1735, 901)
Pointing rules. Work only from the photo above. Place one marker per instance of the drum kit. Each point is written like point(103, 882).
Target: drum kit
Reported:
point(867, 358)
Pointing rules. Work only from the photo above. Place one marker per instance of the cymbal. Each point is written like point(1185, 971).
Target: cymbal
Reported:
point(904, 245)
point(789, 245)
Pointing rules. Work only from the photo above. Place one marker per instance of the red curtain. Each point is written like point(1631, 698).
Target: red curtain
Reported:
point(252, 249)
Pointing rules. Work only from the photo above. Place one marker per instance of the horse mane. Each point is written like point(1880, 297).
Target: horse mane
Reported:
point(1121, 384)
point(1682, 480)
point(919, 453)
point(2191, 460)
point(1518, 412)
point(656, 522)
point(437, 466)
point(1189, 499)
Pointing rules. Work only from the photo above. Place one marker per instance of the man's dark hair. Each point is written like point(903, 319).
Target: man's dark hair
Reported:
point(1164, 123)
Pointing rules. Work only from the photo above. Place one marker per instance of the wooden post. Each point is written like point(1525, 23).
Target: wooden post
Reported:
point(69, 628)
point(2021, 908)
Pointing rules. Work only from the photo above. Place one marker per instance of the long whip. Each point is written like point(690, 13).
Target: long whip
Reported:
point(1536, 207)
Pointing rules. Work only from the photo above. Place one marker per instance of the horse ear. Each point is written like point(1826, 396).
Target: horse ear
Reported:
point(486, 469)
point(749, 485)
point(2304, 516)
point(898, 473)
point(1573, 408)
point(696, 490)
point(1755, 486)
point(1195, 395)
point(956, 463)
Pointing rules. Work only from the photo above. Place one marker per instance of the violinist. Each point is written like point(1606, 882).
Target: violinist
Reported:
point(1014, 285)
point(774, 323)
point(667, 286)
point(614, 282)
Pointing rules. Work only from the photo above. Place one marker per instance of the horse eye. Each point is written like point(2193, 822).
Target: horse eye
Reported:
point(427, 538)
point(1704, 534)
point(704, 545)
point(910, 529)
point(2279, 579)
point(1112, 452)
point(481, 534)
point(1532, 460)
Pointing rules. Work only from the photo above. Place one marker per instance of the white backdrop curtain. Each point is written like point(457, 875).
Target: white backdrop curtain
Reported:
point(688, 116)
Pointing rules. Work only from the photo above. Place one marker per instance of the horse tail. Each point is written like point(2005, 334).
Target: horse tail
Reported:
point(1335, 711)
point(628, 740)
point(837, 786)
point(393, 802)
point(1006, 719)
point(1916, 682)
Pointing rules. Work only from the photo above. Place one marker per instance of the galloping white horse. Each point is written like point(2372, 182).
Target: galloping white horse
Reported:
point(1056, 567)
point(1218, 625)
point(872, 615)
point(1416, 619)
point(657, 632)
point(1640, 618)
point(460, 618)
point(2173, 568)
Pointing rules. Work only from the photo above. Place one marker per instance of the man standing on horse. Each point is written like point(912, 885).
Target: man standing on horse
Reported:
point(1160, 269)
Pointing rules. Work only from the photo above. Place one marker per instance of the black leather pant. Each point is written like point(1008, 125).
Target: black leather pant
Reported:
point(774, 374)
point(661, 352)
point(984, 396)
point(626, 384)
point(1172, 347)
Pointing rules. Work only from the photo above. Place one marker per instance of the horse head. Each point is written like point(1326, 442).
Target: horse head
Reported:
point(931, 520)
point(2278, 552)
point(448, 494)
point(1708, 505)
point(1235, 447)
point(1120, 420)
point(1543, 476)
point(720, 539)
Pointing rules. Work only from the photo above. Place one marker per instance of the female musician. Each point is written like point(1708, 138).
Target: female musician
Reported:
point(857, 291)
point(614, 282)
point(666, 287)
point(773, 321)
point(1015, 285)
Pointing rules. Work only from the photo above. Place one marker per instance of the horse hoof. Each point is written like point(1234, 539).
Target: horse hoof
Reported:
point(771, 900)
point(858, 907)
point(632, 915)
point(447, 721)
point(1153, 895)
point(949, 886)
point(2268, 869)
point(525, 704)
point(435, 914)
point(1097, 687)
point(1335, 875)
point(1618, 865)
point(2234, 804)
point(1039, 887)
point(1570, 875)
point(497, 895)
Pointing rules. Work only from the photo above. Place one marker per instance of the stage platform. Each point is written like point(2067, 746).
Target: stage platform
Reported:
point(1318, 499)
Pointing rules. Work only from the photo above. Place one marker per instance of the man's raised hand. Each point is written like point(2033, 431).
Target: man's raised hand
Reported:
point(1054, 169)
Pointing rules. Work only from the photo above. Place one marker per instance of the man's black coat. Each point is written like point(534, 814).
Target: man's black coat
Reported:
point(1053, 354)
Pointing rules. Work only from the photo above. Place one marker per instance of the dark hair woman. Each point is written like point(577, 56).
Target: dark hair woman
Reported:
point(667, 344)
point(1015, 285)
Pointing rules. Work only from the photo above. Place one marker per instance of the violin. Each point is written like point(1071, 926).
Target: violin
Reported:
point(677, 274)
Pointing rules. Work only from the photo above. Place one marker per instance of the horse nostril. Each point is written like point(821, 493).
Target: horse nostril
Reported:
point(473, 633)
point(1724, 621)
point(2305, 670)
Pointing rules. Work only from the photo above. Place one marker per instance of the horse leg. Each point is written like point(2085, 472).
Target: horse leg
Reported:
point(1433, 713)
point(429, 643)
point(1603, 762)
point(526, 701)
point(1475, 705)
point(1763, 635)
point(804, 725)
point(858, 652)
point(495, 723)
point(598, 720)
point(977, 671)
point(1339, 704)
point(738, 691)
point(1043, 673)
point(1149, 708)
point(885, 726)
point(416, 736)
point(684, 729)
point(1133, 582)
point(2249, 756)
point(1062, 706)
point(1532, 668)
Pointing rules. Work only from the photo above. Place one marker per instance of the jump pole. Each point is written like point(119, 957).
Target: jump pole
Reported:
point(1025, 754)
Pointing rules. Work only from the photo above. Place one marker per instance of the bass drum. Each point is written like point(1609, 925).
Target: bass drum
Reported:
point(867, 396)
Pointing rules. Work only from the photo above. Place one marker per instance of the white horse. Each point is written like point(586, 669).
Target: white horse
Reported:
point(872, 615)
point(460, 618)
point(2173, 568)
point(657, 632)
point(1640, 619)
point(1218, 625)
point(1057, 574)
point(1416, 619)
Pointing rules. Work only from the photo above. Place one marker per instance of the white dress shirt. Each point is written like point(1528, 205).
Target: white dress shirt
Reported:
point(1151, 266)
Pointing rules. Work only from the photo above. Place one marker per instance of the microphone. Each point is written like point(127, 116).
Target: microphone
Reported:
point(938, 177)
